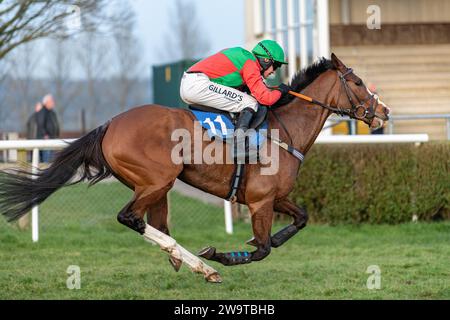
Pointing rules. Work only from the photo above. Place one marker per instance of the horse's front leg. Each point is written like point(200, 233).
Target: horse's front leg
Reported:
point(299, 215)
point(262, 215)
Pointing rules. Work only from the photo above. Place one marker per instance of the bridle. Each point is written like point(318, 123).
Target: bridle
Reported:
point(354, 112)
point(357, 111)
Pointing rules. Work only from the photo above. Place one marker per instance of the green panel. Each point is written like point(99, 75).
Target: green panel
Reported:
point(233, 79)
point(238, 56)
point(166, 83)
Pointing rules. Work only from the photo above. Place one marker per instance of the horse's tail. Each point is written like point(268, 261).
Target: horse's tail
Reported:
point(21, 190)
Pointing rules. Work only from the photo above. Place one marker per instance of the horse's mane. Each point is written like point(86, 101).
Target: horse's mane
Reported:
point(304, 78)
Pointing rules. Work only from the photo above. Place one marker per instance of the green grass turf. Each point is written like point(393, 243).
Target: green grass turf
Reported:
point(79, 227)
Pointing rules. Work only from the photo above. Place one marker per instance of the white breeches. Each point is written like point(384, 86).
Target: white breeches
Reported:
point(196, 88)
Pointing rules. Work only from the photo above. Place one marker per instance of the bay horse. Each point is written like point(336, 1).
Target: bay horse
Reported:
point(135, 147)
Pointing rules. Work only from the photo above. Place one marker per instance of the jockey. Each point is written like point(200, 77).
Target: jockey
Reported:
point(220, 80)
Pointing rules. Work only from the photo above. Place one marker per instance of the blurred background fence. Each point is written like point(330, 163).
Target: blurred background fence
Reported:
point(78, 206)
point(352, 184)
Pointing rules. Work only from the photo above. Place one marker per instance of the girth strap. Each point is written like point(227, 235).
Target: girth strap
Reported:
point(235, 182)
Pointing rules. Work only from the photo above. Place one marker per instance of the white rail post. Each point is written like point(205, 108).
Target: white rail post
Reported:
point(292, 54)
point(258, 28)
point(323, 28)
point(279, 34)
point(279, 31)
point(268, 19)
point(323, 40)
point(391, 126)
point(448, 128)
point(35, 209)
point(375, 138)
point(228, 217)
point(303, 35)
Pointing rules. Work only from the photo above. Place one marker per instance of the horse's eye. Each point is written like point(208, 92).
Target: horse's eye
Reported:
point(359, 82)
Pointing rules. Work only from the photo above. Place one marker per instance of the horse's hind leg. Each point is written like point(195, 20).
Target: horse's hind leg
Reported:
point(153, 199)
point(157, 217)
point(145, 199)
point(131, 219)
point(132, 216)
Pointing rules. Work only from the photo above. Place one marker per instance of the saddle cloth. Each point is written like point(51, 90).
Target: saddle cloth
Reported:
point(221, 126)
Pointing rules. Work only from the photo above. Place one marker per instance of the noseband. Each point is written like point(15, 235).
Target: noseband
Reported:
point(357, 111)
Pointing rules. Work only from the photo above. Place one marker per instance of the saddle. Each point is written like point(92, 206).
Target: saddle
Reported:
point(221, 124)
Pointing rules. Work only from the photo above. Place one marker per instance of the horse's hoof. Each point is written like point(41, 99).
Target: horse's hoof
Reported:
point(207, 252)
point(252, 242)
point(176, 263)
point(214, 278)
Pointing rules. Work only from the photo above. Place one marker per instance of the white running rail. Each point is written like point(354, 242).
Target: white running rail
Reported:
point(374, 138)
point(55, 144)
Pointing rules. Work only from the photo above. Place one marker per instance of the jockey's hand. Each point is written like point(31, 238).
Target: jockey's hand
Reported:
point(284, 89)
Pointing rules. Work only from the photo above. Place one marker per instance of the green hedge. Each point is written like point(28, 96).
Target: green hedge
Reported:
point(375, 183)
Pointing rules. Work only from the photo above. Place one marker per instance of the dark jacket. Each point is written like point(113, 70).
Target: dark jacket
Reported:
point(51, 124)
point(32, 127)
point(40, 118)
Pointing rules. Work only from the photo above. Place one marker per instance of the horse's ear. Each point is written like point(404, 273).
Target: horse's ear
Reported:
point(337, 63)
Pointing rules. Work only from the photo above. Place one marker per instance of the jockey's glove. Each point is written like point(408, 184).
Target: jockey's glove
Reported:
point(284, 89)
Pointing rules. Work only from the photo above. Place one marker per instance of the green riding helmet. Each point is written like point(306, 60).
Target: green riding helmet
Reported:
point(269, 52)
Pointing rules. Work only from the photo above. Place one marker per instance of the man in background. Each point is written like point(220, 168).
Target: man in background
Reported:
point(32, 125)
point(48, 125)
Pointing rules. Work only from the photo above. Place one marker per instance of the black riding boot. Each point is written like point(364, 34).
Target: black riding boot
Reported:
point(240, 134)
point(243, 122)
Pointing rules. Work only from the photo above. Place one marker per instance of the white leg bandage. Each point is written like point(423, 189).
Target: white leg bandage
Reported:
point(169, 245)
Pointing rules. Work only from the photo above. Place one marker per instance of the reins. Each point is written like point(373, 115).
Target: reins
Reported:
point(352, 112)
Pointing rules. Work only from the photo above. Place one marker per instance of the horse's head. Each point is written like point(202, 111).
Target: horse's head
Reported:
point(356, 100)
